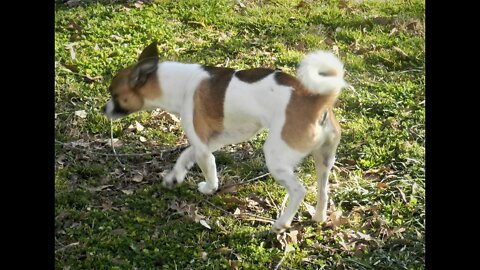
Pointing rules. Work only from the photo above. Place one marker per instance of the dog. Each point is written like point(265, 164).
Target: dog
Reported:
point(220, 106)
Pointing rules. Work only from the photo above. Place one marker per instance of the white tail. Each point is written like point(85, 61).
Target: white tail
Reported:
point(321, 72)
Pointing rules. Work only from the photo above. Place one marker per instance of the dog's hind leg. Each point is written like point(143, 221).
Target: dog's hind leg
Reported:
point(183, 164)
point(280, 161)
point(324, 157)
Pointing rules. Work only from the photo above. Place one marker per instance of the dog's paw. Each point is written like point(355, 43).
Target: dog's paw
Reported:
point(170, 180)
point(204, 188)
point(319, 217)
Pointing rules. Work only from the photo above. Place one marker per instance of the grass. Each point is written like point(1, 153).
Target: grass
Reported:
point(113, 216)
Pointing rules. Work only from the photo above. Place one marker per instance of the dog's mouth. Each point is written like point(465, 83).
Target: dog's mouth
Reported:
point(113, 111)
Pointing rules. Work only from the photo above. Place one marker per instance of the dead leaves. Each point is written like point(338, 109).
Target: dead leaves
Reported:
point(190, 211)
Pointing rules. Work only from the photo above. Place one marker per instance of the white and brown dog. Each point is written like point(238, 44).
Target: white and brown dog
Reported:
point(220, 106)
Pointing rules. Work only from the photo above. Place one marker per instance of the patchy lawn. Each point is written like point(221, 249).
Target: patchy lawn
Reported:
point(114, 214)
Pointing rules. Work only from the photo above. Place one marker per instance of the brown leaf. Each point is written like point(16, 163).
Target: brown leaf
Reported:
point(138, 177)
point(382, 185)
point(413, 25)
point(300, 46)
point(342, 4)
point(233, 200)
point(73, 25)
point(329, 41)
point(382, 20)
point(229, 189)
point(336, 219)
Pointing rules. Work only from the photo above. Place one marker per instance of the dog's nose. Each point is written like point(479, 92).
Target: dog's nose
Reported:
point(104, 109)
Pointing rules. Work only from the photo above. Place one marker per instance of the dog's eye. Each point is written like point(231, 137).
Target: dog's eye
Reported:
point(115, 96)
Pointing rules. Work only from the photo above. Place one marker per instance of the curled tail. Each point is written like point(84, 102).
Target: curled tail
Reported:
point(321, 72)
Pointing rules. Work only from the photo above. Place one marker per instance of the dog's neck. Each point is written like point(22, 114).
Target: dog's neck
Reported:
point(176, 79)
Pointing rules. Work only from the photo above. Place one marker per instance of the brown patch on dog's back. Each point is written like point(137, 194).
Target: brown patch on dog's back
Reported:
point(253, 75)
point(303, 112)
point(208, 102)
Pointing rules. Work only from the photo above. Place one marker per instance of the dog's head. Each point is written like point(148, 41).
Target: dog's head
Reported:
point(134, 85)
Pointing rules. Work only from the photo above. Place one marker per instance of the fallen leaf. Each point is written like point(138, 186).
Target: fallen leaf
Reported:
point(72, 68)
point(81, 143)
point(205, 224)
point(336, 219)
point(329, 41)
point(310, 209)
point(138, 4)
point(116, 142)
point(342, 4)
point(413, 25)
point(229, 189)
point(142, 139)
point(237, 212)
point(100, 188)
point(81, 114)
point(127, 191)
point(382, 20)
point(393, 31)
point(139, 126)
point(73, 3)
point(293, 236)
point(137, 178)
point(382, 185)
point(73, 25)
point(72, 50)
point(289, 248)
point(203, 255)
point(118, 38)
point(224, 250)
point(302, 4)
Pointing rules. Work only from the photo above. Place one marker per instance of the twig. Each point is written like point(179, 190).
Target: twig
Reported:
point(245, 182)
point(282, 208)
point(271, 198)
point(250, 217)
point(67, 246)
point(123, 155)
point(253, 217)
point(113, 147)
point(219, 208)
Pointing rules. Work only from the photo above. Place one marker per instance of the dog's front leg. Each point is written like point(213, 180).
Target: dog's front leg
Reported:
point(206, 162)
point(183, 164)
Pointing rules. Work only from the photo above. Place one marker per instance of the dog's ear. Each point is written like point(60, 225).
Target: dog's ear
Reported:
point(150, 51)
point(147, 64)
point(141, 71)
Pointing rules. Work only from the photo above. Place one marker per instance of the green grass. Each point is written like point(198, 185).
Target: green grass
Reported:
point(108, 218)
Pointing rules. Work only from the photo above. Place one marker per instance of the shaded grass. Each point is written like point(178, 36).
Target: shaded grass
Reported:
point(106, 220)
